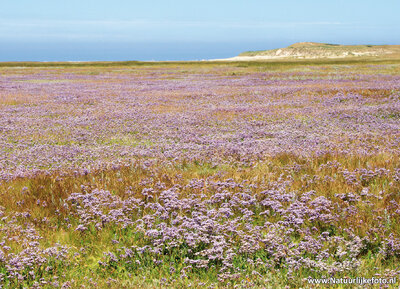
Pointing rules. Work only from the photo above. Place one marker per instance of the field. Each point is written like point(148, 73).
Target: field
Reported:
point(198, 175)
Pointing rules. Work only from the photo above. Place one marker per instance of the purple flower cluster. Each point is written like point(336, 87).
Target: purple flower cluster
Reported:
point(290, 229)
point(22, 259)
point(72, 121)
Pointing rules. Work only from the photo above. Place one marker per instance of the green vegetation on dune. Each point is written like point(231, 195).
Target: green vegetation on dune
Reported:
point(311, 50)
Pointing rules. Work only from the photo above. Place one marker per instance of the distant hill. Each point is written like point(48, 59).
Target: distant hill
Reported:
point(313, 50)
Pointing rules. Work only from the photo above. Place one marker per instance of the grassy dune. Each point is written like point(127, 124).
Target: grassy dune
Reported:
point(313, 50)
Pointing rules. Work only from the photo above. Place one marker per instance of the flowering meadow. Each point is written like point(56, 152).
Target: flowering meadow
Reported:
point(198, 175)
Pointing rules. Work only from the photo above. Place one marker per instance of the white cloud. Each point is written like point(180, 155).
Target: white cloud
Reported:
point(140, 23)
point(142, 29)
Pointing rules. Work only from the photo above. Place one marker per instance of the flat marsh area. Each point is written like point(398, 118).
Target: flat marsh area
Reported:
point(198, 174)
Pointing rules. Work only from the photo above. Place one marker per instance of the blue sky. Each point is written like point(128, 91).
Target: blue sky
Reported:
point(48, 30)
